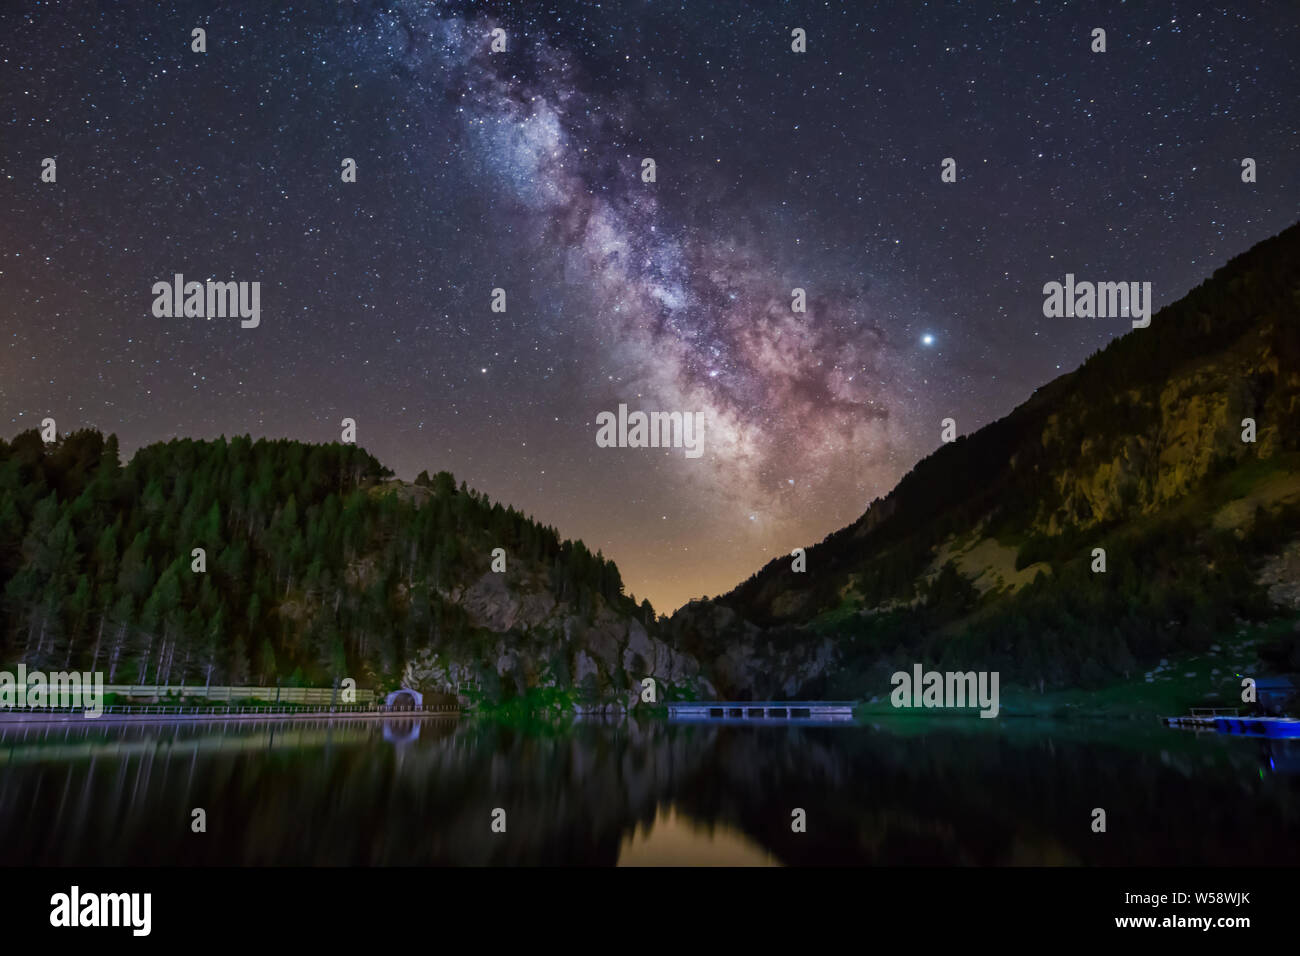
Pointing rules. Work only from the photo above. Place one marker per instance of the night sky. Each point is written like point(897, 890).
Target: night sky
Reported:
point(522, 170)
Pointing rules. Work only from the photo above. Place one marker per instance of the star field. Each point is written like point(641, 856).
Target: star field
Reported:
point(521, 170)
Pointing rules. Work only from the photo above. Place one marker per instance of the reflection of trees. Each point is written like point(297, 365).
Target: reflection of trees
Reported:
point(954, 797)
point(923, 793)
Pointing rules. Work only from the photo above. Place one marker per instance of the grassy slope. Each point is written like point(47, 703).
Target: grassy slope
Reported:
point(1172, 690)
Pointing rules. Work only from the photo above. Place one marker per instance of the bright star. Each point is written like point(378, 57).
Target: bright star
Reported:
point(927, 339)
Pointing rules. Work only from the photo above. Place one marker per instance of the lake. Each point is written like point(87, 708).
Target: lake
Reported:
point(892, 791)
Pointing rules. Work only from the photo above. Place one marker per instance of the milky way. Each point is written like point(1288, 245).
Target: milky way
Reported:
point(694, 320)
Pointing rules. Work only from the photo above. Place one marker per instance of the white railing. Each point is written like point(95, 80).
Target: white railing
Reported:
point(210, 710)
point(281, 695)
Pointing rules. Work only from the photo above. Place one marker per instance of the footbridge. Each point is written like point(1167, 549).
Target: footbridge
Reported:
point(760, 710)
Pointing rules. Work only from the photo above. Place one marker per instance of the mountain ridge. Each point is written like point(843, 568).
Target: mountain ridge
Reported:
point(318, 564)
point(1141, 429)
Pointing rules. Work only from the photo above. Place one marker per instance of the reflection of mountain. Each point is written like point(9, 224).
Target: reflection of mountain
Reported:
point(674, 839)
point(621, 792)
point(983, 555)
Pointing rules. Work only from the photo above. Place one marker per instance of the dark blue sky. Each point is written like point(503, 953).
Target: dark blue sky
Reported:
point(521, 170)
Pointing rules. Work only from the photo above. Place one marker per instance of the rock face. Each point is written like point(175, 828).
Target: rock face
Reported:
point(749, 662)
point(545, 643)
point(1281, 576)
point(429, 672)
point(491, 604)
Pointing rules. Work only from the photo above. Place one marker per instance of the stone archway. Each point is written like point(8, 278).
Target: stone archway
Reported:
point(404, 699)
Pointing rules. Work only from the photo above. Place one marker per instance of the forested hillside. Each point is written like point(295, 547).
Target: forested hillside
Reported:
point(317, 566)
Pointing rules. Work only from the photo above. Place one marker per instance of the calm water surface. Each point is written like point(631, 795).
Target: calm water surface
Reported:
point(898, 791)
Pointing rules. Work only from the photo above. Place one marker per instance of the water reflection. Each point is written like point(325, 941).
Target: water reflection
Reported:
point(675, 839)
point(423, 792)
point(401, 732)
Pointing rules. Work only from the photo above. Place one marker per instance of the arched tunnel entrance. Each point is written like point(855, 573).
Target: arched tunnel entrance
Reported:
point(404, 699)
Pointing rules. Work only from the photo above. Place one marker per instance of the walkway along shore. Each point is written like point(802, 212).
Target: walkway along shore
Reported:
point(171, 714)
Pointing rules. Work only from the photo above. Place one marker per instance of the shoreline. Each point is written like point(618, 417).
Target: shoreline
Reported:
point(11, 719)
